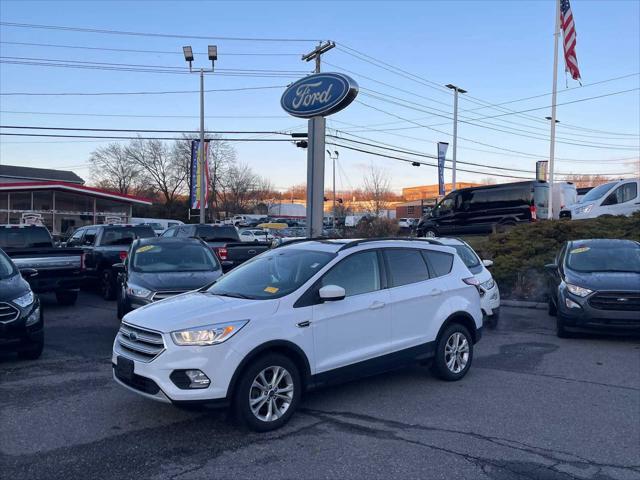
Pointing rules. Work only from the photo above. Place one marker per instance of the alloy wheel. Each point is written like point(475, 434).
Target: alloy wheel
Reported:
point(271, 393)
point(456, 352)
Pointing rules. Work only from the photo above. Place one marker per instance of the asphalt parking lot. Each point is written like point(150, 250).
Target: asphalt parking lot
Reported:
point(532, 407)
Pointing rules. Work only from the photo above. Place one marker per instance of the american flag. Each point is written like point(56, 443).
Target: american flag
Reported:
point(569, 35)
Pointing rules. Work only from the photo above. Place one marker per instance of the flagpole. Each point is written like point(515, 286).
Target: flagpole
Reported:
point(556, 35)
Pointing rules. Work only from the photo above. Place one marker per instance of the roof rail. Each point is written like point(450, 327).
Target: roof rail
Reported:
point(301, 240)
point(355, 243)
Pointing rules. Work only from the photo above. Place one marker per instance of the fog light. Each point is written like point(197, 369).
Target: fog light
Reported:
point(33, 318)
point(570, 303)
point(198, 379)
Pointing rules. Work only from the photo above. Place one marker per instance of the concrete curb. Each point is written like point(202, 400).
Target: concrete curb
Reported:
point(523, 304)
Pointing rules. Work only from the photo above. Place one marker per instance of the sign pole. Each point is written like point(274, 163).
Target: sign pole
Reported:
point(315, 176)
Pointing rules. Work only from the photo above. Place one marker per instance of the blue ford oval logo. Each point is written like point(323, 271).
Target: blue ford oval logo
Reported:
point(320, 94)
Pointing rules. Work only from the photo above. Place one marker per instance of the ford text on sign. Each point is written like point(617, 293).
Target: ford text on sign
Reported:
point(319, 94)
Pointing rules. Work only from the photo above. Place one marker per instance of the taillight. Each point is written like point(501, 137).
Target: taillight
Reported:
point(534, 213)
point(474, 282)
point(123, 256)
point(221, 252)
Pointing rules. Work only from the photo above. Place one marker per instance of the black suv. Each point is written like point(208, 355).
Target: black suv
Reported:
point(104, 246)
point(21, 321)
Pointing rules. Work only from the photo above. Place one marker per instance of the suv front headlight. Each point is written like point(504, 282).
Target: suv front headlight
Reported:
point(579, 291)
point(138, 291)
point(489, 284)
point(584, 209)
point(208, 335)
point(25, 300)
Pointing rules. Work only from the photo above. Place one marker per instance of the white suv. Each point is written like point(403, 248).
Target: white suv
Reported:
point(303, 315)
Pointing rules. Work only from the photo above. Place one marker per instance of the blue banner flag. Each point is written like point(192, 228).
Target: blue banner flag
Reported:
point(442, 153)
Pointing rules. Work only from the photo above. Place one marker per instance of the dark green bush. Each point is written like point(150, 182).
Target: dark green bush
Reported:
point(520, 254)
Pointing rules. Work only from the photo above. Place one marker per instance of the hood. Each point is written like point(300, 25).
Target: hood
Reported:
point(615, 281)
point(173, 280)
point(196, 309)
point(13, 287)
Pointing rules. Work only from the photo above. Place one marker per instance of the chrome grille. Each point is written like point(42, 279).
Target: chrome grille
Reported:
point(623, 301)
point(139, 343)
point(166, 294)
point(8, 313)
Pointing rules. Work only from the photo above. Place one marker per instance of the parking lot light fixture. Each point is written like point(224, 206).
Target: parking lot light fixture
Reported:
point(188, 54)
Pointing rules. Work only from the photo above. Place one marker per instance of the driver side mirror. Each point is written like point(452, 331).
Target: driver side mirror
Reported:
point(28, 272)
point(332, 293)
point(487, 263)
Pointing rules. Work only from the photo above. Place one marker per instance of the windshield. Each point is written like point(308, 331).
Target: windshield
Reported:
point(6, 267)
point(271, 275)
point(25, 237)
point(467, 255)
point(125, 235)
point(597, 192)
point(173, 257)
point(604, 258)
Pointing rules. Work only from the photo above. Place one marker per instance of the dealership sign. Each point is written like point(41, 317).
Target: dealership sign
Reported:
point(320, 94)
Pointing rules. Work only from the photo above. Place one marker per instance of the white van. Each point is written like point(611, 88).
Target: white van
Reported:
point(564, 195)
point(613, 198)
point(159, 225)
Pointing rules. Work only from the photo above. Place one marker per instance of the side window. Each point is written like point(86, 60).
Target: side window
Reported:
point(440, 262)
point(406, 266)
point(75, 238)
point(90, 236)
point(624, 193)
point(358, 273)
point(184, 232)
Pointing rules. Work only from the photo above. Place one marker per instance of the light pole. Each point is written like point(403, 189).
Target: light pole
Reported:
point(456, 90)
point(213, 56)
point(334, 157)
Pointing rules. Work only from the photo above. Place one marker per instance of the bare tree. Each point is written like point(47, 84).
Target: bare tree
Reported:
point(237, 187)
point(113, 169)
point(376, 187)
point(580, 180)
point(159, 167)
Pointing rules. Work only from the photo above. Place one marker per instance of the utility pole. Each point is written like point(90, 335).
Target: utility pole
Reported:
point(315, 156)
point(456, 90)
point(213, 56)
point(552, 143)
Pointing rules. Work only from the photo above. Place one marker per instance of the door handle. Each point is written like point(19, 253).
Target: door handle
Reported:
point(376, 305)
point(304, 324)
point(435, 292)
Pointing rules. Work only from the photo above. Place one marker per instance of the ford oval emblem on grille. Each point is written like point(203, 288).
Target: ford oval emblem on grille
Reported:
point(133, 336)
point(251, 252)
point(622, 299)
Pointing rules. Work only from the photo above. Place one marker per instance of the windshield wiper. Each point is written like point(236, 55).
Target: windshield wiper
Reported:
point(232, 295)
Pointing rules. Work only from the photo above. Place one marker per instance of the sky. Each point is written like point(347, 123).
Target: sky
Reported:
point(498, 51)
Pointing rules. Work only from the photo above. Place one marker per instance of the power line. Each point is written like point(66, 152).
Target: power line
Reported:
point(140, 138)
point(424, 155)
point(149, 34)
point(130, 50)
point(169, 92)
point(127, 115)
point(128, 130)
point(421, 80)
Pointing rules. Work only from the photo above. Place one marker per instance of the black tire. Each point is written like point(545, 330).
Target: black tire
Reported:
point(439, 366)
point(67, 297)
point(33, 352)
point(552, 310)
point(561, 327)
point(107, 285)
point(123, 304)
point(244, 391)
point(430, 233)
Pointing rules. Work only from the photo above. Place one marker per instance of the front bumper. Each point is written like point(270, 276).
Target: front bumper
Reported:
point(586, 316)
point(152, 379)
point(16, 335)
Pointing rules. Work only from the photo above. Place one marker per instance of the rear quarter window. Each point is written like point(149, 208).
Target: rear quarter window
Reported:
point(440, 262)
